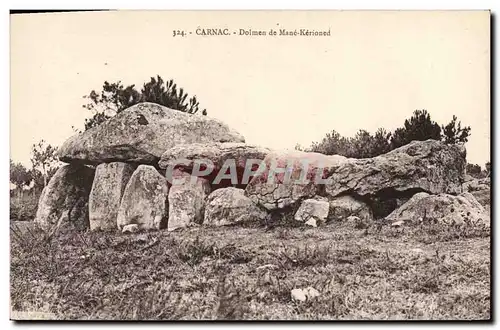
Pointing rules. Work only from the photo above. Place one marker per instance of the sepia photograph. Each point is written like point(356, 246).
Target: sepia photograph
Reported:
point(319, 165)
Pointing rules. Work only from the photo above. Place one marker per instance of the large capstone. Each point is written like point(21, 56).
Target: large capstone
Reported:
point(141, 134)
point(420, 166)
point(291, 176)
point(223, 164)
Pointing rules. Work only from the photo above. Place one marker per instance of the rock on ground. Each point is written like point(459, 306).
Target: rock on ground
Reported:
point(302, 295)
point(232, 158)
point(107, 190)
point(429, 166)
point(357, 222)
point(283, 190)
point(141, 134)
point(442, 208)
point(312, 209)
point(186, 201)
point(228, 206)
point(65, 198)
point(133, 228)
point(145, 200)
point(312, 222)
point(298, 295)
point(344, 206)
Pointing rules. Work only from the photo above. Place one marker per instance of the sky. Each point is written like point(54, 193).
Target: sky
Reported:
point(373, 70)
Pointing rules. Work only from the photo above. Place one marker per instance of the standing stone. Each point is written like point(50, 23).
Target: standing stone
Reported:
point(145, 199)
point(65, 198)
point(227, 206)
point(186, 200)
point(109, 184)
point(312, 211)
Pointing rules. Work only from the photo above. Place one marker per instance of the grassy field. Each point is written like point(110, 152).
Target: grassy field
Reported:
point(362, 273)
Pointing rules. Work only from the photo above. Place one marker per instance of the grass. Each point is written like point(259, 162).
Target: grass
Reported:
point(23, 205)
point(379, 272)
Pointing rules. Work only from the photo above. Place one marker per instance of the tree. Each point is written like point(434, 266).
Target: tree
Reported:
point(362, 145)
point(19, 175)
point(332, 144)
point(382, 142)
point(44, 161)
point(365, 145)
point(419, 127)
point(298, 147)
point(474, 170)
point(454, 133)
point(114, 98)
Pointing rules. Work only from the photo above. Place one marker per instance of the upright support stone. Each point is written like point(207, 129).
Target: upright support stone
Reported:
point(145, 200)
point(107, 190)
point(65, 198)
point(186, 200)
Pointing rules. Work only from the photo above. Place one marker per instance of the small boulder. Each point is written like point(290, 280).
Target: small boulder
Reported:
point(442, 208)
point(311, 292)
point(186, 200)
point(298, 295)
point(228, 206)
point(312, 209)
point(65, 198)
point(397, 223)
point(302, 295)
point(355, 222)
point(107, 190)
point(133, 228)
point(345, 206)
point(311, 222)
point(145, 200)
point(353, 219)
